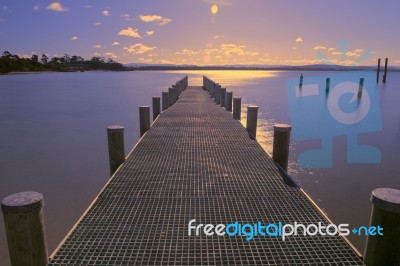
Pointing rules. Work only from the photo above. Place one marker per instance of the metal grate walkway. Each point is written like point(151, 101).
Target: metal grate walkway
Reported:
point(196, 162)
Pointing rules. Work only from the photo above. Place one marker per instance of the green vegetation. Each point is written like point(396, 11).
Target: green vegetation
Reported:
point(67, 63)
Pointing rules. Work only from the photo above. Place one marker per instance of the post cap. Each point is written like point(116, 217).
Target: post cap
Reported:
point(282, 127)
point(253, 107)
point(237, 98)
point(115, 128)
point(156, 97)
point(22, 202)
point(387, 199)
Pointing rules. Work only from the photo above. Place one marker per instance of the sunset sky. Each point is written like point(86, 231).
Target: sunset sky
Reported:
point(205, 32)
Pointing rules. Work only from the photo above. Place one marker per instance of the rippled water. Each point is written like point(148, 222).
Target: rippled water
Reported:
point(53, 138)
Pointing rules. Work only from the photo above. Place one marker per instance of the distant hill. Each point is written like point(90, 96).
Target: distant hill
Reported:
point(314, 67)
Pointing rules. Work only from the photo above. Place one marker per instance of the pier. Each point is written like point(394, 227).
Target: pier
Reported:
point(197, 168)
point(197, 162)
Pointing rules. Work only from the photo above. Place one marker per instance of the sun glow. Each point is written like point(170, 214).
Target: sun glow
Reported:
point(214, 9)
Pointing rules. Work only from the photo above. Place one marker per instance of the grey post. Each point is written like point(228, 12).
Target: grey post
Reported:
point(328, 82)
point(222, 97)
point(116, 148)
point(237, 108)
point(165, 100)
point(218, 94)
point(384, 249)
point(301, 81)
point(385, 73)
point(24, 223)
point(171, 96)
point(360, 87)
point(228, 101)
point(378, 70)
point(144, 117)
point(156, 107)
point(280, 152)
point(252, 113)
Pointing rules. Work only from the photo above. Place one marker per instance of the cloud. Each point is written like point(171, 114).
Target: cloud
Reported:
point(115, 43)
point(36, 7)
point(106, 13)
point(97, 24)
point(88, 6)
point(319, 47)
point(331, 49)
point(97, 46)
point(145, 60)
point(299, 39)
point(74, 38)
point(218, 36)
point(149, 32)
point(358, 50)
point(56, 6)
point(337, 53)
point(187, 52)
point(139, 48)
point(159, 20)
point(110, 54)
point(130, 32)
point(232, 49)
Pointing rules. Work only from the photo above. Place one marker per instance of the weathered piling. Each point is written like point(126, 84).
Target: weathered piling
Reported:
point(116, 148)
point(385, 73)
point(383, 242)
point(24, 224)
point(280, 152)
point(237, 108)
point(222, 97)
point(301, 81)
point(156, 107)
point(165, 100)
point(328, 82)
point(378, 70)
point(218, 94)
point(228, 101)
point(171, 96)
point(144, 117)
point(175, 93)
point(252, 113)
point(360, 87)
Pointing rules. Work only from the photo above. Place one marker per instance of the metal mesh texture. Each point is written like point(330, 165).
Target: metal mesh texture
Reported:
point(197, 162)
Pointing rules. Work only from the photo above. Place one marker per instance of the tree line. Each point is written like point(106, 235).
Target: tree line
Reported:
point(67, 63)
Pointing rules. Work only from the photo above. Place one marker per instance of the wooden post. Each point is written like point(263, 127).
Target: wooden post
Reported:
point(222, 97)
point(228, 101)
point(156, 107)
point(116, 148)
point(360, 87)
point(301, 81)
point(385, 73)
point(384, 249)
point(165, 100)
point(252, 113)
point(378, 70)
point(328, 82)
point(280, 152)
point(171, 96)
point(144, 117)
point(237, 108)
point(24, 223)
point(217, 94)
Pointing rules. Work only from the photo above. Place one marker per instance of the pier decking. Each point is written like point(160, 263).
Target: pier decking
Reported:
point(197, 162)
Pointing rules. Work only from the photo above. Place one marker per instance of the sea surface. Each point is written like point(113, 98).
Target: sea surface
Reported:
point(53, 136)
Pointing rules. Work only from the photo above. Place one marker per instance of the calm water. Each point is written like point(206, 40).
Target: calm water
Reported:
point(53, 139)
